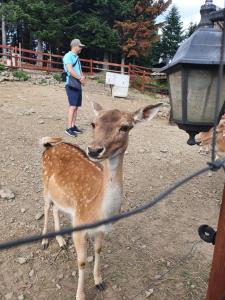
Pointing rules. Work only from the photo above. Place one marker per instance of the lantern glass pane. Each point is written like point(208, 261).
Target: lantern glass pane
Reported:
point(175, 81)
point(201, 98)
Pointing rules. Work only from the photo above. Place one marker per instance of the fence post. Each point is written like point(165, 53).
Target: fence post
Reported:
point(50, 59)
point(216, 288)
point(11, 57)
point(20, 55)
point(16, 57)
point(129, 69)
point(143, 82)
point(91, 67)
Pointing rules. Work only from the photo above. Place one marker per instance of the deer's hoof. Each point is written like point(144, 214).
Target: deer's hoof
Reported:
point(100, 286)
point(45, 244)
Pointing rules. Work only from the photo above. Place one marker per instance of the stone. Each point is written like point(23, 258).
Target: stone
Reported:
point(58, 286)
point(39, 216)
point(74, 273)
point(21, 297)
point(149, 293)
point(21, 260)
point(6, 193)
point(31, 273)
point(9, 296)
point(29, 112)
point(90, 259)
point(41, 122)
point(23, 210)
point(163, 150)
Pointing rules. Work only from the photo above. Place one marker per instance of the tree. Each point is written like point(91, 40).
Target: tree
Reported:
point(139, 31)
point(191, 29)
point(41, 19)
point(93, 23)
point(172, 34)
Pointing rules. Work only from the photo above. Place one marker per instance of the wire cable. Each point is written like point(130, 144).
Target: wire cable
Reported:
point(116, 218)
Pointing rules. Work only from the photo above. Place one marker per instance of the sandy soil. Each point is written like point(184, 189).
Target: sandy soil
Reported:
point(139, 250)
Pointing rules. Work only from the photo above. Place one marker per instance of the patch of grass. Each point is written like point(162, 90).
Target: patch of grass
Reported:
point(42, 81)
point(2, 67)
point(57, 77)
point(21, 75)
point(100, 80)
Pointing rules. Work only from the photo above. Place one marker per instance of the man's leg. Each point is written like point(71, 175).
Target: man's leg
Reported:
point(74, 116)
point(71, 113)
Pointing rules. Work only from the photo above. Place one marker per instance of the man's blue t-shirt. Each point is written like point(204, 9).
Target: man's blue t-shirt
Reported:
point(71, 58)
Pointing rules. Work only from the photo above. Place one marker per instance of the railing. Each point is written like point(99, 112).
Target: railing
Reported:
point(141, 78)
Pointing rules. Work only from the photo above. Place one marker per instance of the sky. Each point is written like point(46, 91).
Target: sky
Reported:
point(190, 9)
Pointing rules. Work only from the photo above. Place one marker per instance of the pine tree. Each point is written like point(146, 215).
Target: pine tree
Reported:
point(172, 34)
point(93, 23)
point(139, 31)
point(43, 20)
point(191, 29)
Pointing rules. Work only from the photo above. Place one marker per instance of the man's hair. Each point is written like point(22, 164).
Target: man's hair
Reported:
point(74, 43)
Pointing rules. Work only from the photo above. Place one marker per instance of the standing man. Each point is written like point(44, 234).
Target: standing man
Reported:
point(72, 67)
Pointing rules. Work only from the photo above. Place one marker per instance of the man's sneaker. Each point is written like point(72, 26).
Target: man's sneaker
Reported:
point(71, 132)
point(77, 130)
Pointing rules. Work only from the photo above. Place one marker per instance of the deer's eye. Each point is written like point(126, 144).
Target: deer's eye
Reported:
point(93, 125)
point(124, 128)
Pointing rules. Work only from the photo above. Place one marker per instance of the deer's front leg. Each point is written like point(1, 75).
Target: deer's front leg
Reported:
point(80, 243)
point(97, 269)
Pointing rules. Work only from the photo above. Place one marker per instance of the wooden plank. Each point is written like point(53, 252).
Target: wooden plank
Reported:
point(216, 288)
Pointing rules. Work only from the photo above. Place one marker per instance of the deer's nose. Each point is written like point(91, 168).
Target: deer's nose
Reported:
point(95, 152)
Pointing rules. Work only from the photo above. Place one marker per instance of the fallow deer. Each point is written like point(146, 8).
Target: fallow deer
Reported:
point(78, 184)
point(204, 139)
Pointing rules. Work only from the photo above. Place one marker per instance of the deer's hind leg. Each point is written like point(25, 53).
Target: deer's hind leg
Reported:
point(59, 238)
point(47, 205)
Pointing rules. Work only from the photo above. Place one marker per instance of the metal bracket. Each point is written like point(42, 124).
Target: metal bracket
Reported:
point(207, 234)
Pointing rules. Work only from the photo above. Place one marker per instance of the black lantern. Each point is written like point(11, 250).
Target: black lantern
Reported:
point(193, 75)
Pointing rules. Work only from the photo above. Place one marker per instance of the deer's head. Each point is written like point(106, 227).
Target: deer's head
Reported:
point(111, 130)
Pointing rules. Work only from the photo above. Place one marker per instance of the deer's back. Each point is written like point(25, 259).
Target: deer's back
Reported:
point(70, 179)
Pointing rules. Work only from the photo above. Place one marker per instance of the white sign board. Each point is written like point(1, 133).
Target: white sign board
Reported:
point(120, 83)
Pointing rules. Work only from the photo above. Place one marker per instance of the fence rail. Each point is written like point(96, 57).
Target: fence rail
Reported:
point(141, 78)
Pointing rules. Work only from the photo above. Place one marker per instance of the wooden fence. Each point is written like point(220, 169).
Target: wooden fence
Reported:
point(140, 77)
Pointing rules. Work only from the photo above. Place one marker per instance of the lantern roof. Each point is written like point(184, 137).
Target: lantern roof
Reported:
point(202, 48)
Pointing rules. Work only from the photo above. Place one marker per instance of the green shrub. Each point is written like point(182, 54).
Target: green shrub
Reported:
point(101, 81)
point(21, 75)
point(57, 77)
point(2, 67)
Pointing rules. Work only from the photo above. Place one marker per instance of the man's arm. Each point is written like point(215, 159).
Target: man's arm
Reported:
point(72, 72)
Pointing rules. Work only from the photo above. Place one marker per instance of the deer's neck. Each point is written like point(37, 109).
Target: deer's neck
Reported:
point(113, 185)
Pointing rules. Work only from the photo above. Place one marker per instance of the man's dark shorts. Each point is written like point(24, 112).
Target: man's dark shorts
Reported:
point(74, 96)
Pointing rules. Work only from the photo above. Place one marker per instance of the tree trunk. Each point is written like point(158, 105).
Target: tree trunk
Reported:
point(39, 56)
point(123, 57)
point(3, 35)
point(106, 59)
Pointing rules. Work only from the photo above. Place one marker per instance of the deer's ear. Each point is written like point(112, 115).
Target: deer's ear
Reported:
point(96, 108)
point(146, 113)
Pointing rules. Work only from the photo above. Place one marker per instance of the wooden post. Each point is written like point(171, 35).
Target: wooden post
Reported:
point(143, 82)
point(129, 69)
point(11, 57)
point(91, 67)
point(216, 288)
point(16, 57)
point(20, 55)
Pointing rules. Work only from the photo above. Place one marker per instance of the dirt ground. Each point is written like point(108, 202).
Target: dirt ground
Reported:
point(157, 254)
